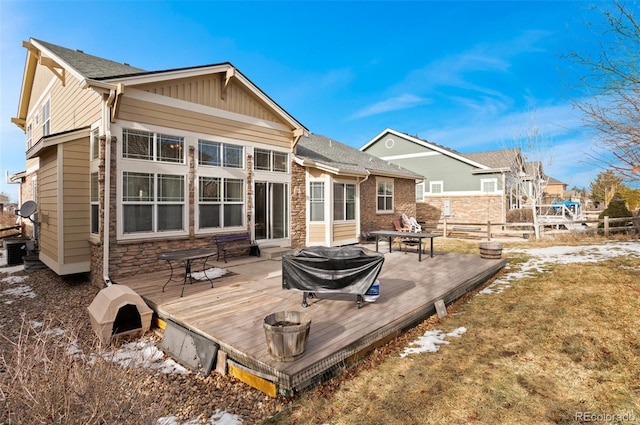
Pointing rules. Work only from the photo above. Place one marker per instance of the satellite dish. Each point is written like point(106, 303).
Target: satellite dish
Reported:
point(27, 209)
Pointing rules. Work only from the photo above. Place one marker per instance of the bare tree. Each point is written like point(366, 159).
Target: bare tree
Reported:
point(611, 85)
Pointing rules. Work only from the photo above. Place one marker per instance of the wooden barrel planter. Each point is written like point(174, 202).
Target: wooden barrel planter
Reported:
point(286, 333)
point(491, 250)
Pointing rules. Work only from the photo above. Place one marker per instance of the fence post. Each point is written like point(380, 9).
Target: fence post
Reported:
point(444, 227)
point(489, 230)
point(606, 225)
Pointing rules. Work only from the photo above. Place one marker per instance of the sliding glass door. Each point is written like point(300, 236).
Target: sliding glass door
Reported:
point(272, 210)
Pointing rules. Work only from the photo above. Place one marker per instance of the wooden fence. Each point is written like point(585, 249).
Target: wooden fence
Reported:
point(489, 230)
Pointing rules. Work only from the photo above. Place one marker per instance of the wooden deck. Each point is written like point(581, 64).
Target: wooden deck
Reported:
point(232, 312)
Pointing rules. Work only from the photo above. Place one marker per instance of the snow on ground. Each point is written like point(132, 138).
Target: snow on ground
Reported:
point(540, 259)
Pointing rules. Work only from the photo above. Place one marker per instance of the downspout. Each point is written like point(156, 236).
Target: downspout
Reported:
point(106, 120)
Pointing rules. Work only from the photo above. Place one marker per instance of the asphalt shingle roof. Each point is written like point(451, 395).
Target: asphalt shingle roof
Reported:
point(344, 158)
point(91, 66)
point(503, 158)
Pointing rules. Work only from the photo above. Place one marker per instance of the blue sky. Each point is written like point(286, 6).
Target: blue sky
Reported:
point(470, 76)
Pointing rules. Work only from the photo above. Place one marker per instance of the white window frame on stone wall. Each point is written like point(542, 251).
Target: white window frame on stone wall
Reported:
point(484, 183)
point(384, 195)
point(436, 187)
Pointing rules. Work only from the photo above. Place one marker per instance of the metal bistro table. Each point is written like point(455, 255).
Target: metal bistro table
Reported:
point(187, 257)
point(405, 235)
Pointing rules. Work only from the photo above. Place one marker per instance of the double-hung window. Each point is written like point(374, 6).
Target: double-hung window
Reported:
point(436, 187)
point(153, 202)
point(29, 135)
point(95, 143)
point(221, 202)
point(316, 201)
point(385, 195)
point(420, 192)
point(267, 160)
point(344, 201)
point(46, 118)
point(489, 185)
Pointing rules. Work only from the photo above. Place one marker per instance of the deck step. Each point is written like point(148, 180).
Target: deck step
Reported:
point(275, 252)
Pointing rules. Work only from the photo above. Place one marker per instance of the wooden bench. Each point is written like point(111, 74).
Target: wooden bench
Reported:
point(235, 241)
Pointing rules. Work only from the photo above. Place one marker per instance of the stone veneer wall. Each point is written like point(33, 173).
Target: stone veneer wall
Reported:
point(298, 206)
point(404, 202)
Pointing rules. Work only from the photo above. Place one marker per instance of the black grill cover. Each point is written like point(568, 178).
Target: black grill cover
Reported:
point(349, 269)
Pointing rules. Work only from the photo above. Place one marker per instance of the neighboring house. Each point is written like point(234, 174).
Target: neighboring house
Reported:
point(125, 164)
point(348, 193)
point(132, 163)
point(475, 187)
point(555, 190)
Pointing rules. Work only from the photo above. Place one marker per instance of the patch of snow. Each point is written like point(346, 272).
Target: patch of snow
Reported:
point(14, 279)
point(144, 353)
point(430, 341)
point(542, 257)
point(220, 418)
point(212, 273)
point(19, 291)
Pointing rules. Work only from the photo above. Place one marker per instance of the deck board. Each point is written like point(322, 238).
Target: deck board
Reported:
point(232, 312)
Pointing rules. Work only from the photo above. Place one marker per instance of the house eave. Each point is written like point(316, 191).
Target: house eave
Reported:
point(56, 139)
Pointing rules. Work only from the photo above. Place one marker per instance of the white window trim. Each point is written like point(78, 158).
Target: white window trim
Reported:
point(222, 229)
point(393, 195)
point(437, 182)
point(420, 189)
point(344, 201)
point(494, 181)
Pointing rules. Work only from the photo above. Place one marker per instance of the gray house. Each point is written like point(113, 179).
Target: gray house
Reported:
point(465, 187)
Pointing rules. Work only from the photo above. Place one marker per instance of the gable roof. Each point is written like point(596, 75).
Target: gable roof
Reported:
point(93, 71)
point(337, 158)
point(496, 159)
point(483, 162)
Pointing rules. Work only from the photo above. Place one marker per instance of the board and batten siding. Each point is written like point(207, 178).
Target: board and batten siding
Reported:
point(208, 91)
point(48, 207)
point(137, 110)
point(75, 204)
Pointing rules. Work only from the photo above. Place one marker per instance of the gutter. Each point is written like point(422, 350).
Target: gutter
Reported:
point(106, 121)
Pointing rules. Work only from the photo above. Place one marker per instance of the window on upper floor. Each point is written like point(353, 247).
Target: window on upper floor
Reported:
point(151, 146)
point(29, 136)
point(95, 143)
point(46, 118)
point(316, 201)
point(436, 187)
point(220, 202)
point(344, 201)
point(267, 160)
point(152, 202)
point(384, 195)
point(219, 154)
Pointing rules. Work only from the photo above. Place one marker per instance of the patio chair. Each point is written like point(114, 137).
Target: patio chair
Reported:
point(411, 224)
point(399, 227)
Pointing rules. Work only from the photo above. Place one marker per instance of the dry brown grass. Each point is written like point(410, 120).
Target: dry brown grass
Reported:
point(43, 381)
point(543, 351)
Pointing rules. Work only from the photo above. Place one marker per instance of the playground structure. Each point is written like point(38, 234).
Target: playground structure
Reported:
point(567, 214)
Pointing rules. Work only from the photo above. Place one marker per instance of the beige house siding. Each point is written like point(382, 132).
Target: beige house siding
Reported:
point(141, 111)
point(317, 233)
point(75, 204)
point(71, 106)
point(48, 207)
point(344, 233)
point(208, 91)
